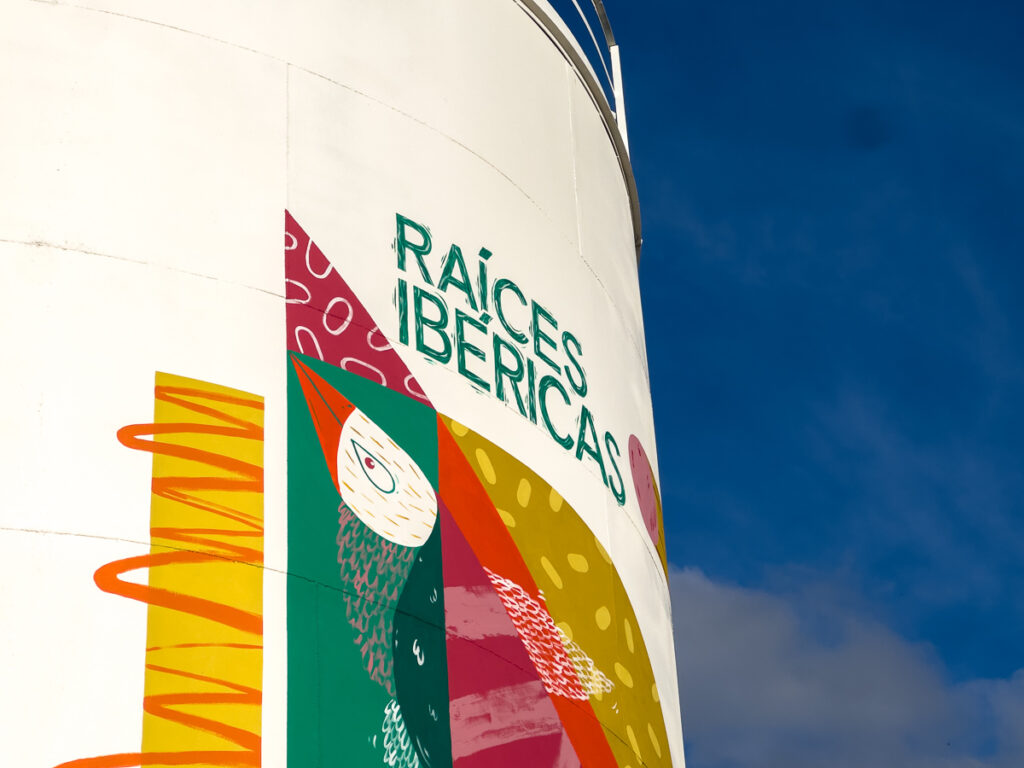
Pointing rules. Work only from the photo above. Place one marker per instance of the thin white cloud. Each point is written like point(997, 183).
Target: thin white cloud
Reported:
point(794, 682)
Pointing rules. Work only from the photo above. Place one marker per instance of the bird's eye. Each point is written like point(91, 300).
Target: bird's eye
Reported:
point(374, 469)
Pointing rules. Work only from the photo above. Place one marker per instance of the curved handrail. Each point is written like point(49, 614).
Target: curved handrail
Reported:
point(609, 102)
point(605, 26)
point(593, 38)
point(603, 57)
point(619, 104)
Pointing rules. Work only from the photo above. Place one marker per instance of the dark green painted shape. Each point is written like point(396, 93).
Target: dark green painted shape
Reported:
point(335, 711)
point(421, 657)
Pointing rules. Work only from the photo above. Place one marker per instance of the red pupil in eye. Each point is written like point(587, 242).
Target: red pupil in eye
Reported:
point(370, 464)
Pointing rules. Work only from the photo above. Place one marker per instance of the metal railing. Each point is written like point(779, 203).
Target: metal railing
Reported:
point(566, 22)
point(588, 22)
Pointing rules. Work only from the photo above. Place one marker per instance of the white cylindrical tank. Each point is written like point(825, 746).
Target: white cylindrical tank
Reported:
point(328, 436)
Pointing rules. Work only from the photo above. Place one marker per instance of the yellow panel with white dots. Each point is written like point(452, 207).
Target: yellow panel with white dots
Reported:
point(584, 596)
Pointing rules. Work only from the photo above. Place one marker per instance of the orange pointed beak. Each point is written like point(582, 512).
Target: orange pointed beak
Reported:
point(328, 408)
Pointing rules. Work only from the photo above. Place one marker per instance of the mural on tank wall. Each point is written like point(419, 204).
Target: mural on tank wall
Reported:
point(202, 700)
point(446, 607)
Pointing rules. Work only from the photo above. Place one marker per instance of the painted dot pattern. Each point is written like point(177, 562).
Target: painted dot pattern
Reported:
point(565, 629)
point(325, 320)
point(633, 742)
point(654, 739)
point(552, 573)
point(523, 493)
point(585, 599)
point(555, 500)
point(578, 562)
point(484, 462)
point(623, 674)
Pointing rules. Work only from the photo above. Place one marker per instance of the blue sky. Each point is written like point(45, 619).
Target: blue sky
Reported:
point(833, 275)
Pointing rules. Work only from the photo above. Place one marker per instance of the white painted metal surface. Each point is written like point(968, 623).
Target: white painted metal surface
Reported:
point(148, 152)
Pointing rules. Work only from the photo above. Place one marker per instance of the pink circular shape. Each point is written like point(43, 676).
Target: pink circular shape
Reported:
point(413, 388)
point(346, 363)
point(643, 482)
point(369, 340)
point(369, 463)
point(313, 251)
point(288, 283)
point(329, 312)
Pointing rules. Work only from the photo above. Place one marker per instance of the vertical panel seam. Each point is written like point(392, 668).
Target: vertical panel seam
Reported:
point(572, 149)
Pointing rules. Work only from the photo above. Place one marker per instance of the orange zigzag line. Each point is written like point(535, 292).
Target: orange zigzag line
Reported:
point(246, 478)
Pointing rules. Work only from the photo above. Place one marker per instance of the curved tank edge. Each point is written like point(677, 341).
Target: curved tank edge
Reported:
point(570, 49)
